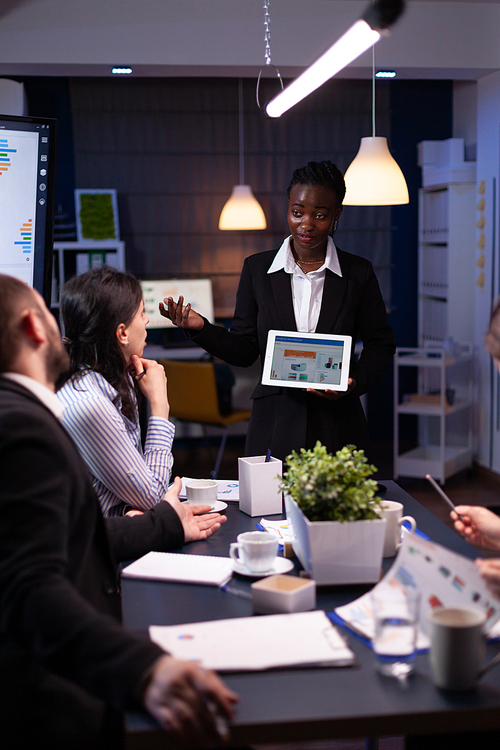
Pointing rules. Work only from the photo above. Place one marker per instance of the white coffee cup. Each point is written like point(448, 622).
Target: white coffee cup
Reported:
point(201, 491)
point(458, 646)
point(393, 514)
point(257, 550)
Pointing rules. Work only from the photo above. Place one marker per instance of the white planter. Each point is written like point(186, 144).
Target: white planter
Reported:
point(335, 552)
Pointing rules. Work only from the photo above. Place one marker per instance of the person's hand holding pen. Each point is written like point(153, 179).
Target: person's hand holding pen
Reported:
point(479, 526)
point(182, 316)
point(334, 395)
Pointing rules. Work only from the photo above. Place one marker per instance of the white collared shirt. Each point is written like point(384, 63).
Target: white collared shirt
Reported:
point(307, 288)
point(44, 394)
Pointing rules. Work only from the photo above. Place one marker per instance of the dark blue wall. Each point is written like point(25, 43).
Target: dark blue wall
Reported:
point(420, 110)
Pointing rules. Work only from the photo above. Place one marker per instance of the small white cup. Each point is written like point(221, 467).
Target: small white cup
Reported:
point(393, 514)
point(202, 491)
point(257, 550)
point(458, 646)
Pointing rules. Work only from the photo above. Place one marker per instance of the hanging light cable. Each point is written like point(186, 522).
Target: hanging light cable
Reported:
point(374, 178)
point(242, 210)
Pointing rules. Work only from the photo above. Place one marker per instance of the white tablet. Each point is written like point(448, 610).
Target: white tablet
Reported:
point(307, 360)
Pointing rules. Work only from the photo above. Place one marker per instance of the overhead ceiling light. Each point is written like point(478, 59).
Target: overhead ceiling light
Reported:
point(374, 178)
point(362, 35)
point(385, 74)
point(242, 210)
point(121, 71)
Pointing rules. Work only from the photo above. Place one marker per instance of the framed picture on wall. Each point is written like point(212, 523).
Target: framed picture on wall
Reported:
point(97, 215)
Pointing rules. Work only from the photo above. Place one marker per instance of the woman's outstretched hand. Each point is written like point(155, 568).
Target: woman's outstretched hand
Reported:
point(152, 381)
point(334, 395)
point(182, 316)
point(478, 525)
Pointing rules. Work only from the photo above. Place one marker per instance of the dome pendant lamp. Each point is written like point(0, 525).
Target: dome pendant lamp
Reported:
point(374, 178)
point(242, 210)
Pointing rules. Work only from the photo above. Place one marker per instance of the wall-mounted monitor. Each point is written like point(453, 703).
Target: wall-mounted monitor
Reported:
point(196, 291)
point(27, 190)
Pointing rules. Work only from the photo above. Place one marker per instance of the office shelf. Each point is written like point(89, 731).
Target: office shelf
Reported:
point(441, 400)
point(72, 258)
point(446, 263)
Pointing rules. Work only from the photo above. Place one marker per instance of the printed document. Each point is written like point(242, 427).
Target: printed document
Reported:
point(255, 643)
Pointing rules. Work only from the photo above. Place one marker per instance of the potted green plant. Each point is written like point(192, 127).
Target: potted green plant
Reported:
point(332, 505)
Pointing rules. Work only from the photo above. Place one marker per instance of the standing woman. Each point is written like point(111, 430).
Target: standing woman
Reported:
point(102, 312)
point(307, 285)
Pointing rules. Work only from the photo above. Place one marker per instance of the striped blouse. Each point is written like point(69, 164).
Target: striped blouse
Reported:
point(111, 445)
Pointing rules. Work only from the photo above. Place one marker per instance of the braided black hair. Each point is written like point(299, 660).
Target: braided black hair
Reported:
point(320, 173)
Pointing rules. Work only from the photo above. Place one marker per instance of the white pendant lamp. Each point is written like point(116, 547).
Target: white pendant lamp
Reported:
point(374, 178)
point(242, 211)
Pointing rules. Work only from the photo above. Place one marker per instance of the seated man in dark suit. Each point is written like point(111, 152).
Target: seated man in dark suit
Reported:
point(67, 667)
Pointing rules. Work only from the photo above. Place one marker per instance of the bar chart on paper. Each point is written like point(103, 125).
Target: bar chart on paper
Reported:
point(18, 195)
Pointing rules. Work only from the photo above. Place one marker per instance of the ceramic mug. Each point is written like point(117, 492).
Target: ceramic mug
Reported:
point(393, 514)
point(202, 491)
point(458, 646)
point(256, 550)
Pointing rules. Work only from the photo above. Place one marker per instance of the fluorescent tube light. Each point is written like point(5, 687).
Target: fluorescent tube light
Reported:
point(351, 45)
point(121, 71)
point(362, 35)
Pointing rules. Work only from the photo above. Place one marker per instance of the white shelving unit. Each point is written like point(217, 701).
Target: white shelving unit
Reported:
point(78, 257)
point(446, 263)
point(442, 403)
point(447, 255)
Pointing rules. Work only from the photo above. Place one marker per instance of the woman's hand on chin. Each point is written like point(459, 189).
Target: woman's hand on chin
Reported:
point(152, 381)
point(182, 316)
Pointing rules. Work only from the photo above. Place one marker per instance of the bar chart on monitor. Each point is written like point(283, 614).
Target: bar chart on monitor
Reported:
point(18, 201)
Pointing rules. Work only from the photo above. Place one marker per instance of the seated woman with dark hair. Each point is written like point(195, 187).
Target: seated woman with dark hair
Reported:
point(102, 312)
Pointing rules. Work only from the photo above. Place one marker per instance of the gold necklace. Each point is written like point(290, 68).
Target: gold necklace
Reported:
point(309, 262)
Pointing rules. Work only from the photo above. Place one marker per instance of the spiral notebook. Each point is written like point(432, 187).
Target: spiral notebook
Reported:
point(172, 566)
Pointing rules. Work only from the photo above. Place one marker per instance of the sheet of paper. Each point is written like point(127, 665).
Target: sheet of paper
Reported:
point(443, 578)
point(229, 490)
point(172, 566)
point(282, 529)
point(251, 643)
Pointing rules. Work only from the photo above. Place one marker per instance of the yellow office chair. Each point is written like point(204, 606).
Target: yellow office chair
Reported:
point(192, 395)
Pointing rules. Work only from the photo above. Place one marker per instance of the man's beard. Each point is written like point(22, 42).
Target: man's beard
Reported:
point(57, 358)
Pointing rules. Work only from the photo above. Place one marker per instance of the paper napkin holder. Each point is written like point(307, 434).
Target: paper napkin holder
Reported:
point(259, 485)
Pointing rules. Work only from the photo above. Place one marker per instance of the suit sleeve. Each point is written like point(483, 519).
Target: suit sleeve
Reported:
point(239, 346)
point(42, 609)
point(376, 334)
point(159, 529)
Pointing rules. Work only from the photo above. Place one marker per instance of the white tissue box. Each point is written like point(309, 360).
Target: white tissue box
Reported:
point(259, 485)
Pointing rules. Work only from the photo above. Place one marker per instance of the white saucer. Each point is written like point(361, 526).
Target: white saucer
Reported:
point(281, 565)
point(219, 505)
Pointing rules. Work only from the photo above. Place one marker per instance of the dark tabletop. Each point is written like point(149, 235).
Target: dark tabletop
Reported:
point(308, 704)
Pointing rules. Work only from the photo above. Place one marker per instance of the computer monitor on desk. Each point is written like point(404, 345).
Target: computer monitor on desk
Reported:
point(196, 291)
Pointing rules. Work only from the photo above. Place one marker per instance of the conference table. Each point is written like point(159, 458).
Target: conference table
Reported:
point(306, 704)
